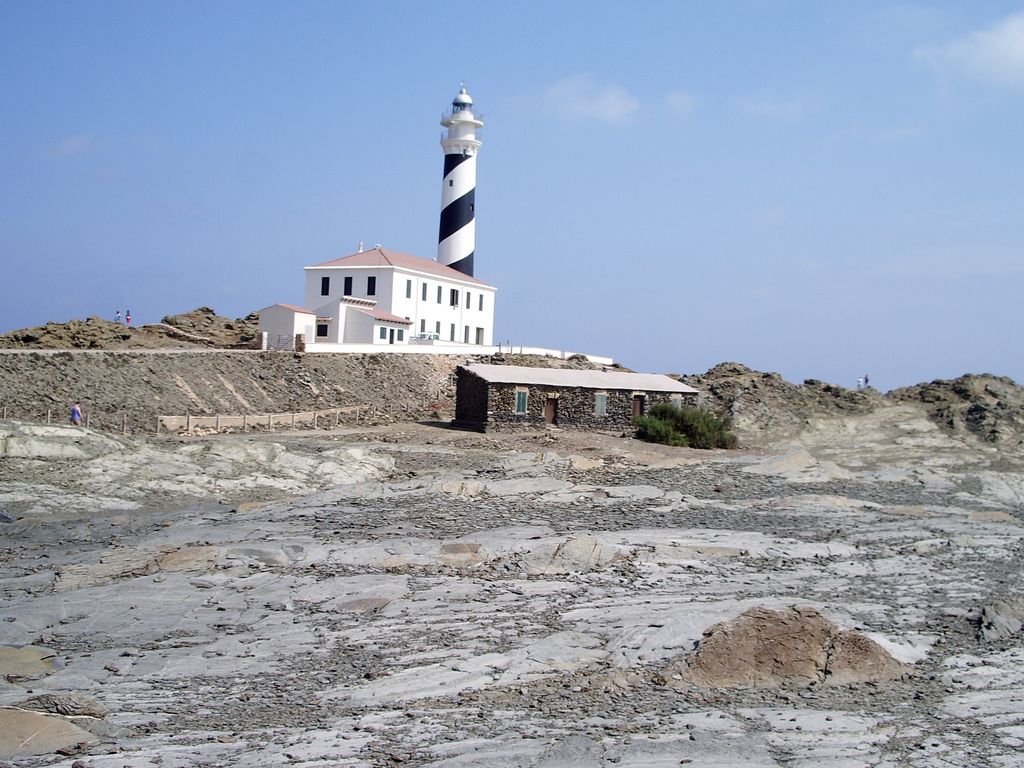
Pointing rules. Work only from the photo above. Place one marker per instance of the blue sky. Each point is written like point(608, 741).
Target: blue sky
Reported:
point(818, 189)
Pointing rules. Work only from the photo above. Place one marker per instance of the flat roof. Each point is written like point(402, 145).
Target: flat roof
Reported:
point(570, 377)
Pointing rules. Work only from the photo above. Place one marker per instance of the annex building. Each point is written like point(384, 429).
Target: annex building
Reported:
point(508, 396)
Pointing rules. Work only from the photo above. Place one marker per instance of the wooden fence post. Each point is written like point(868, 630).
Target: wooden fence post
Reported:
point(337, 418)
point(270, 421)
point(293, 419)
point(188, 424)
point(316, 415)
point(245, 422)
point(87, 415)
point(47, 415)
point(158, 425)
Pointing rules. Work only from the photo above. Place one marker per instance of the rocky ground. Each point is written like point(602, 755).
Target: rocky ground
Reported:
point(845, 591)
point(202, 327)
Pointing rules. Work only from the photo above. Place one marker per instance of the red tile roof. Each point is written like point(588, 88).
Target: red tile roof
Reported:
point(384, 257)
point(290, 308)
point(380, 314)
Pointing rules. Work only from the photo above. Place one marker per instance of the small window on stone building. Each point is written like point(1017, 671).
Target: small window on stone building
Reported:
point(600, 403)
point(347, 290)
point(325, 286)
point(321, 330)
point(677, 402)
point(371, 286)
point(521, 396)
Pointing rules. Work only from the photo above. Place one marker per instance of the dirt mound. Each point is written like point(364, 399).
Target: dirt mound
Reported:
point(797, 646)
point(989, 407)
point(762, 404)
point(201, 327)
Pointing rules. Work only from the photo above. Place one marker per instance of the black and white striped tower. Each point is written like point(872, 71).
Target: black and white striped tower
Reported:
point(456, 239)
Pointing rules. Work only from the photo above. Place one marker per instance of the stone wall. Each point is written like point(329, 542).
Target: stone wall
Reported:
point(481, 405)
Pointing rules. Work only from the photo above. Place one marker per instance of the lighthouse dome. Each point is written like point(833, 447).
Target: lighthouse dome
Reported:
point(463, 100)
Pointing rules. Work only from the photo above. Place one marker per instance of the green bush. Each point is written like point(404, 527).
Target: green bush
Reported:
point(695, 427)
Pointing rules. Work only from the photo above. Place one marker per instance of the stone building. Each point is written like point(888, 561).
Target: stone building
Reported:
point(509, 396)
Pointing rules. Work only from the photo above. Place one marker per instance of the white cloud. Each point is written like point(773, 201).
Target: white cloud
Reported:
point(71, 145)
point(995, 54)
point(680, 102)
point(769, 106)
point(579, 98)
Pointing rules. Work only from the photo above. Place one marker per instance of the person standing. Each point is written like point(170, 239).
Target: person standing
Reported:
point(867, 381)
point(117, 317)
point(128, 317)
point(76, 414)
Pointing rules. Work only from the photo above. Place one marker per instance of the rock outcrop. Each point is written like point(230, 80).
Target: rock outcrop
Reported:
point(989, 407)
point(797, 646)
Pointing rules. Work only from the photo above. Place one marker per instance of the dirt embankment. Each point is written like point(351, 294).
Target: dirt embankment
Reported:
point(146, 384)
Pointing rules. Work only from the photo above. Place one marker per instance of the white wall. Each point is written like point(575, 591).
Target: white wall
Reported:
point(279, 321)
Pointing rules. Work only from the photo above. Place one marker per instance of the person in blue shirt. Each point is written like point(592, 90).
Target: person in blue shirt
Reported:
point(76, 414)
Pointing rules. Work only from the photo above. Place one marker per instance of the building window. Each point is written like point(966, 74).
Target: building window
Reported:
point(465, 336)
point(600, 403)
point(453, 297)
point(371, 286)
point(440, 290)
point(467, 300)
point(408, 289)
point(677, 402)
point(481, 302)
point(437, 327)
point(347, 290)
point(321, 330)
point(423, 326)
point(325, 286)
point(451, 336)
point(401, 334)
point(424, 292)
point(521, 397)
point(383, 332)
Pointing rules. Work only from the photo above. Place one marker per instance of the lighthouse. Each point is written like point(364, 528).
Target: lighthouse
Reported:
point(456, 239)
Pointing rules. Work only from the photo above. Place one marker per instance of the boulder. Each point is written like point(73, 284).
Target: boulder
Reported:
point(797, 646)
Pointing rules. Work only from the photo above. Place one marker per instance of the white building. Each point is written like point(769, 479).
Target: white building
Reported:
point(380, 296)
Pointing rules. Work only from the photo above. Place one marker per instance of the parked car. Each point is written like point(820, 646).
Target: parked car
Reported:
point(427, 337)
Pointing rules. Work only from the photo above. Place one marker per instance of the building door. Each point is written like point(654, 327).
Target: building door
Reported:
point(391, 336)
point(551, 410)
point(480, 336)
point(639, 405)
